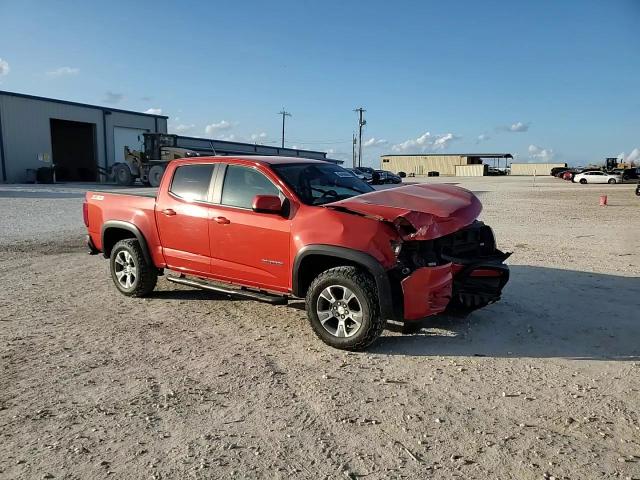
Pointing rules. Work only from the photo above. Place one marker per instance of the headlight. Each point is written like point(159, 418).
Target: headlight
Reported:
point(396, 247)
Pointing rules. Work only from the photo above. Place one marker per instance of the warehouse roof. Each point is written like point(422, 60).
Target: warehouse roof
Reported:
point(483, 155)
point(78, 104)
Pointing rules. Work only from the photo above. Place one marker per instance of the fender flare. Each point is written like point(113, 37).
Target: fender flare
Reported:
point(369, 263)
point(130, 227)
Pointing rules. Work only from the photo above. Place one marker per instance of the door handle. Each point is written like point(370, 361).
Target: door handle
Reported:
point(222, 220)
point(169, 212)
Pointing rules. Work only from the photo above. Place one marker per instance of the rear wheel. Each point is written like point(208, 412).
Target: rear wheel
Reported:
point(612, 180)
point(583, 181)
point(343, 308)
point(123, 175)
point(130, 272)
point(155, 175)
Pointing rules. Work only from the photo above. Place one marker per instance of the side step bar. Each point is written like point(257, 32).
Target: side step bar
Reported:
point(235, 292)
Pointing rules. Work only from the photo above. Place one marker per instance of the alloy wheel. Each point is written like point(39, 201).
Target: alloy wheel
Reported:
point(125, 269)
point(339, 311)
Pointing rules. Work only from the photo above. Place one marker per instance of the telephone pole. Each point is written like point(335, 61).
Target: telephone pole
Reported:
point(361, 123)
point(284, 114)
point(354, 150)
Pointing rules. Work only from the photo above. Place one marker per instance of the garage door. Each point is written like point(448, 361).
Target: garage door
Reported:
point(124, 136)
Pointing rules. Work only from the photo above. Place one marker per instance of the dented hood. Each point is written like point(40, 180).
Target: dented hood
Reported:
point(419, 212)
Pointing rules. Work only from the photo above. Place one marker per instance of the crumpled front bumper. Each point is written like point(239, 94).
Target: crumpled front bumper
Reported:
point(462, 283)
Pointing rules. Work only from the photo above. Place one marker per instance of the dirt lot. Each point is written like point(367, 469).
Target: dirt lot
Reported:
point(187, 384)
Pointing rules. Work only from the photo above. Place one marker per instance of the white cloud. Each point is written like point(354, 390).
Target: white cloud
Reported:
point(154, 111)
point(111, 97)
point(518, 127)
point(633, 157)
point(542, 154)
point(426, 142)
point(4, 68)
point(482, 138)
point(62, 71)
point(183, 128)
point(258, 136)
point(228, 138)
point(443, 141)
point(222, 125)
point(373, 142)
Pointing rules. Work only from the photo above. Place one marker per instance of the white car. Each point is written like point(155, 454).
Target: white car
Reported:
point(597, 177)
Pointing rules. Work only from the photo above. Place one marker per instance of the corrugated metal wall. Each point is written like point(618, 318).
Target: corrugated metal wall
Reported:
point(422, 164)
point(26, 131)
point(471, 170)
point(534, 168)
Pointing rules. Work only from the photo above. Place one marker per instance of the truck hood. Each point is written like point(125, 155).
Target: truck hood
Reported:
point(419, 212)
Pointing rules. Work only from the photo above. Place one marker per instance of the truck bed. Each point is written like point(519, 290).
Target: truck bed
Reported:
point(105, 208)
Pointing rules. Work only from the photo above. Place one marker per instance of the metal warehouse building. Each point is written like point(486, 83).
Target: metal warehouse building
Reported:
point(79, 138)
point(84, 141)
point(534, 168)
point(443, 164)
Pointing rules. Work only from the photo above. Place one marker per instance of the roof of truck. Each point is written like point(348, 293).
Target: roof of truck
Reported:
point(263, 159)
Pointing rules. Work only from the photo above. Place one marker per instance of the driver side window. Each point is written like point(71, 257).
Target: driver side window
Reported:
point(241, 184)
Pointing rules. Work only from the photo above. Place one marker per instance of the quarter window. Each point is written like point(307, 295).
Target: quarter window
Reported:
point(191, 182)
point(241, 184)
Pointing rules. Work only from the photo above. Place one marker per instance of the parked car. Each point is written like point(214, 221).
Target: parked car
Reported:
point(385, 176)
point(493, 171)
point(555, 171)
point(272, 228)
point(597, 177)
point(369, 173)
point(628, 173)
point(358, 174)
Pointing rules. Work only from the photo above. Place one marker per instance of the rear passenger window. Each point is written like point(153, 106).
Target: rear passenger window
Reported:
point(241, 184)
point(191, 182)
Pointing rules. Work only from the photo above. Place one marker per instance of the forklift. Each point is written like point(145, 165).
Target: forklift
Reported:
point(149, 165)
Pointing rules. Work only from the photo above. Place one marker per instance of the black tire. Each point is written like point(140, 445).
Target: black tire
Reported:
point(123, 175)
point(363, 287)
point(146, 275)
point(583, 181)
point(612, 181)
point(155, 175)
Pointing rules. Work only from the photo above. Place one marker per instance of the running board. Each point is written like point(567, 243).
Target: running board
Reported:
point(204, 285)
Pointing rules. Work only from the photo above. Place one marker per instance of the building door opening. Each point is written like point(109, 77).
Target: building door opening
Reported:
point(73, 148)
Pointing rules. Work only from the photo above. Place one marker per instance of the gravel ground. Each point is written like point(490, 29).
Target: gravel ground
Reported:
point(187, 384)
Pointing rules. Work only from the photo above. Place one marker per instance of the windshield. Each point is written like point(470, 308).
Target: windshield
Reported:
point(317, 184)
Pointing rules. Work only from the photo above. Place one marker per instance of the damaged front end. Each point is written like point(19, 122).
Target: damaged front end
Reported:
point(445, 258)
point(460, 271)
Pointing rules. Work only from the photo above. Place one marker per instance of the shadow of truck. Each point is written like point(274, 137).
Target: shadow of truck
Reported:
point(544, 313)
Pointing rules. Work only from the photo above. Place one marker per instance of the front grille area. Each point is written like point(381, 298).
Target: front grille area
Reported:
point(474, 242)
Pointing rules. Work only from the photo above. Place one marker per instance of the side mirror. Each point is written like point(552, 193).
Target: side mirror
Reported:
point(266, 204)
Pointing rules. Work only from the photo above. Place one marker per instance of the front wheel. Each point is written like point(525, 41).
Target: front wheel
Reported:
point(612, 181)
point(583, 181)
point(131, 273)
point(155, 175)
point(123, 175)
point(343, 308)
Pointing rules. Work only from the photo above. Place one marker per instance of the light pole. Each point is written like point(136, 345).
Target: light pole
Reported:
point(284, 114)
point(361, 123)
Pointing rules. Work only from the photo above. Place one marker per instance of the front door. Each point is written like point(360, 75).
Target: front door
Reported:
point(182, 216)
point(247, 247)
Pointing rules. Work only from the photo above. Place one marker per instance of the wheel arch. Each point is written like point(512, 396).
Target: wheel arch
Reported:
point(312, 260)
point(115, 230)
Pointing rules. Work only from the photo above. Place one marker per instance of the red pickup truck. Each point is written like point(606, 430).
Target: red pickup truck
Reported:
point(271, 228)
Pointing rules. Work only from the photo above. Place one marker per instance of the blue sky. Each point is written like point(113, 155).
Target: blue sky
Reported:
point(544, 80)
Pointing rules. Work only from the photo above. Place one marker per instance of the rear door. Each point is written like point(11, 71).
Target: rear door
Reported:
point(182, 216)
point(248, 247)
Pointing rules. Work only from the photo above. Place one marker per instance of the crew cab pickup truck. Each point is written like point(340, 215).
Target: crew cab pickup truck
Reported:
point(272, 228)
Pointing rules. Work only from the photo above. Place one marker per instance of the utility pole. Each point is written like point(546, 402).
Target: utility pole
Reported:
point(354, 150)
point(284, 114)
point(361, 123)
